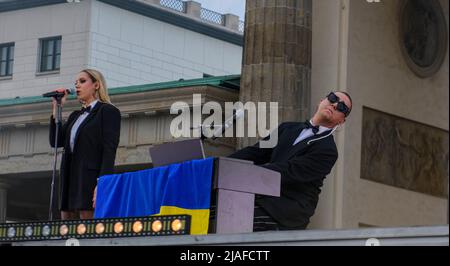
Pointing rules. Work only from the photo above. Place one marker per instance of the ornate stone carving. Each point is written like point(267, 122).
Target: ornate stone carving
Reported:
point(423, 36)
point(4, 142)
point(404, 154)
point(29, 141)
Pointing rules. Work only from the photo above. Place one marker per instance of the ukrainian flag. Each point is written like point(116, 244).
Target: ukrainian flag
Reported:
point(183, 188)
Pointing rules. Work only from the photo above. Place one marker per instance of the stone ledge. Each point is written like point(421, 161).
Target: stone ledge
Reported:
point(402, 236)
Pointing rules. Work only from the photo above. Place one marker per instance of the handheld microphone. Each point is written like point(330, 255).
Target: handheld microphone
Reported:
point(228, 123)
point(58, 94)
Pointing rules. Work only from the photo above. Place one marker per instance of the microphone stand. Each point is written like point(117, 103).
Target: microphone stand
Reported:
point(58, 119)
point(200, 128)
point(228, 122)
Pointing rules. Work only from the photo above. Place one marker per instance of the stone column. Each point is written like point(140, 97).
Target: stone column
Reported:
point(277, 57)
point(3, 202)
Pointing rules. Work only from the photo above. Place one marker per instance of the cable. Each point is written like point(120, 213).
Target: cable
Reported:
point(331, 132)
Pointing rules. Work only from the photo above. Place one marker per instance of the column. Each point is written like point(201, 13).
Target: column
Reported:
point(3, 202)
point(277, 57)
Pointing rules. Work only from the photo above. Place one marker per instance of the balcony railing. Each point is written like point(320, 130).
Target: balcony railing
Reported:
point(211, 16)
point(205, 14)
point(174, 4)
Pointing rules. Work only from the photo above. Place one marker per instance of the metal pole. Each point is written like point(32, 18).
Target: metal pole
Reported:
point(58, 119)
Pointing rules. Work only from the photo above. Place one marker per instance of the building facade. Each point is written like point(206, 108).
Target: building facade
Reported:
point(132, 42)
point(46, 43)
point(393, 150)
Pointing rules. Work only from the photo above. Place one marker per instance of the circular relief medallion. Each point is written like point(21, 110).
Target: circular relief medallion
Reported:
point(423, 36)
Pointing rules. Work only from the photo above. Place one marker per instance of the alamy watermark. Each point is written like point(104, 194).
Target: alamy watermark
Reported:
point(213, 126)
point(373, 242)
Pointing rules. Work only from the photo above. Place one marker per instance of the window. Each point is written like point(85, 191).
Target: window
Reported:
point(6, 59)
point(50, 54)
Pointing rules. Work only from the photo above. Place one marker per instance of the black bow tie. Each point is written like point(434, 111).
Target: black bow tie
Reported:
point(315, 129)
point(85, 109)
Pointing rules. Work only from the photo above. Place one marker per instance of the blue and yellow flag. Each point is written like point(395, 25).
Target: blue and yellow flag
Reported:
point(183, 188)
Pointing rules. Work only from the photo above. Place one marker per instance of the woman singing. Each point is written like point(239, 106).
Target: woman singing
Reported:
point(90, 138)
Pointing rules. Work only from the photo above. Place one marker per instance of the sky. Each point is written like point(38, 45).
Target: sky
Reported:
point(236, 7)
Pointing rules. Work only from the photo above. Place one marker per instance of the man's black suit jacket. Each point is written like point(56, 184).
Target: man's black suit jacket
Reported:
point(303, 168)
point(94, 154)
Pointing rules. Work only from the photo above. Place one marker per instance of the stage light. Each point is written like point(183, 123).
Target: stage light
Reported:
point(28, 231)
point(118, 227)
point(176, 225)
point(137, 226)
point(96, 228)
point(156, 226)
point(11, 232)
point(81, 229)
point(46, 230)
point(63, 230)
point(99, 228)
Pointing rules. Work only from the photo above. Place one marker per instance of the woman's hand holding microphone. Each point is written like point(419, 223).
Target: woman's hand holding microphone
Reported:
point(63, 99)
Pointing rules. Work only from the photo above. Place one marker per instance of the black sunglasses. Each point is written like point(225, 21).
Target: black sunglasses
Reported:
point(341, 106)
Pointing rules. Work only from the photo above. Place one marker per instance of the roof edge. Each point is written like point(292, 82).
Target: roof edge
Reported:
point(219, 81)
point(24, 4)
point(147, 10)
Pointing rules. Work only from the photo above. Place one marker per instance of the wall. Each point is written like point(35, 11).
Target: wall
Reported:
point(379, 78)
point(329, 50)
point(132, 49)
point(25, 27)
point(356, 48)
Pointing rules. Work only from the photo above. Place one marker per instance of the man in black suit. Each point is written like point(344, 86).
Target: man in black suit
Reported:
point(304, 155)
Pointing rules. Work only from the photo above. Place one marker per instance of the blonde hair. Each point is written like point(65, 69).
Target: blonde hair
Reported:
point(102, 92)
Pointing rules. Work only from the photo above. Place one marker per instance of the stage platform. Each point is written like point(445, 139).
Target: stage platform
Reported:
point(403, 236)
